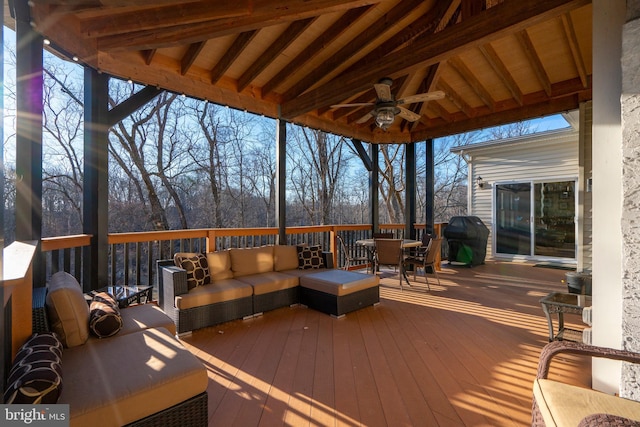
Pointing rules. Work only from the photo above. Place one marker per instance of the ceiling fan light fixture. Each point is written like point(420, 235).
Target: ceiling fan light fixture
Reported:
point(384, 118)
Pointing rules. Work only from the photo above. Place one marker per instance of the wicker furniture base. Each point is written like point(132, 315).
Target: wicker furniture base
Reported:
point(39, 319)
point(273, 300)
point(339, 305)
point(192, 412)
point(211, 314)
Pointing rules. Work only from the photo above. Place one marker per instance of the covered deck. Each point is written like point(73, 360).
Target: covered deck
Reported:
point(463, 354)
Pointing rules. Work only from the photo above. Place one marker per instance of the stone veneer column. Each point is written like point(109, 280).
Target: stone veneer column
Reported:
point(630, 101)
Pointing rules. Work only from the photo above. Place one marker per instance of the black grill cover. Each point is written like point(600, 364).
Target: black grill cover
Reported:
point(467, 237)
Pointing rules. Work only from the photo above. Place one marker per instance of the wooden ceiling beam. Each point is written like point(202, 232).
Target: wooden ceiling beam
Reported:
point(470, 78)
point(264, 14)
point(544, 108)
point(454, 97)
point(154, 17)
point(148, 55)
point(191, 55)
point(428, 85)
point(351, 49)
point(237, 47)
point(320, 43)
point(572, 40)
point(272, 52)
point(498, 66)
point(534, 60)
point(492, 24)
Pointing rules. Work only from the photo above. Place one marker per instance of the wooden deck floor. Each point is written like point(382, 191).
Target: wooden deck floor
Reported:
point(463, 354)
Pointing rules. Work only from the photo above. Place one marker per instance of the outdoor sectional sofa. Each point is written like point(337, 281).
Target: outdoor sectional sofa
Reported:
point(140, 376)
point(244, 282)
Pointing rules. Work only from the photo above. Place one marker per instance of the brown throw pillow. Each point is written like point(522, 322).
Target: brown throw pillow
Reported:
point(197, 268)
point(36, 374)
point(310, 257)
point(104, 316)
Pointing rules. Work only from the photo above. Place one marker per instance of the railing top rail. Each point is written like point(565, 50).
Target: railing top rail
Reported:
point(63, 242)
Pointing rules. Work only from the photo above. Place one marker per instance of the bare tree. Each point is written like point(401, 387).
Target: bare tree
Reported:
point(318, 162)
point(392, 181)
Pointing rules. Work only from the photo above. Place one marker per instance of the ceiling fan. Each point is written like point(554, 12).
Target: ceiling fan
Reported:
point(387, 107)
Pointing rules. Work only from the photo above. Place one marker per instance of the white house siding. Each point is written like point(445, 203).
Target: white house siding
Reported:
point(551, 156)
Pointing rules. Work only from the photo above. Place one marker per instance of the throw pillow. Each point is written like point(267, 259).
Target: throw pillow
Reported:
point(36, 374)
point(67, 309)
point(310, 257)
point(104, 315)
point(196, 266)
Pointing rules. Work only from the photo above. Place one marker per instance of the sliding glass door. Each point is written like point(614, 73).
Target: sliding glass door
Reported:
point(536, 219)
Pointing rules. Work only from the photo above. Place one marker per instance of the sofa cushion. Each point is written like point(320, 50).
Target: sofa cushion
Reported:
point(220, 291)
point(270, 282)
point(563, 404)
point(310, 257)
point(196, 266)
point(67, 309)
point(119, 380)
point(219, 265)
point(285, 257)
point(104, 315)
point(247, 261)
point(36, 374)
point(145, 316)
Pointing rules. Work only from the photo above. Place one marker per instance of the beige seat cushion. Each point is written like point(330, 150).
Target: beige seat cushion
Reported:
point(219, 265)
point(270, 282)
point(219, 291)
point(144, 316)
point(339, 282)
point(566, 405)
point(67, 309)
point(285, 257)
point(248, 261)
point(118, 380)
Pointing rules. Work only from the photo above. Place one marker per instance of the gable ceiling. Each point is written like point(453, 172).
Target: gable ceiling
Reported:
point(495, 61)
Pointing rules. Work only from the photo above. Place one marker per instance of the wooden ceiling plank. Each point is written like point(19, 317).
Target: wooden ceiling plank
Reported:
point(321, 42)
point(237, 47)
point(286, 38)
point(191, 55)
point(572, 39)
point(441, 111)
point(492, 24)
point(154, 17)
point(469, 77)
point(265, 14)
point(501, 70)
point(534, 60)
point(362, 40)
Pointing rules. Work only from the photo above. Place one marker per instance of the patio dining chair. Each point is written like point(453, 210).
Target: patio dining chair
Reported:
point(389, 252)
point(352, 257)
point(427, 259)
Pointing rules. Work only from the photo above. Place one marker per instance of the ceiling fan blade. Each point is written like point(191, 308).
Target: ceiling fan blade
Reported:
point(384, 92)
point(365, 118)
point(409, 116)
point(421, 97)
point(357, 104)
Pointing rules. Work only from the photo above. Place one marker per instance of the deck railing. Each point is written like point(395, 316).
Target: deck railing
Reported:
point(133, 256)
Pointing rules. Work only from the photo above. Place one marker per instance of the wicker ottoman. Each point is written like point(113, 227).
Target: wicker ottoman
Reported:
point(338, 292)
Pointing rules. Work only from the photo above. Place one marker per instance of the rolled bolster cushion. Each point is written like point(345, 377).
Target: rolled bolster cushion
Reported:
point(36, 374)
point(104, 316)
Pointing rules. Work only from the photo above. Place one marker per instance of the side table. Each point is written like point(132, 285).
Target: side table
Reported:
point(561, 303)
point(125, 295)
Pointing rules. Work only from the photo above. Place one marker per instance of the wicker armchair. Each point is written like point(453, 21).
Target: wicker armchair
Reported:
point(558, 404)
